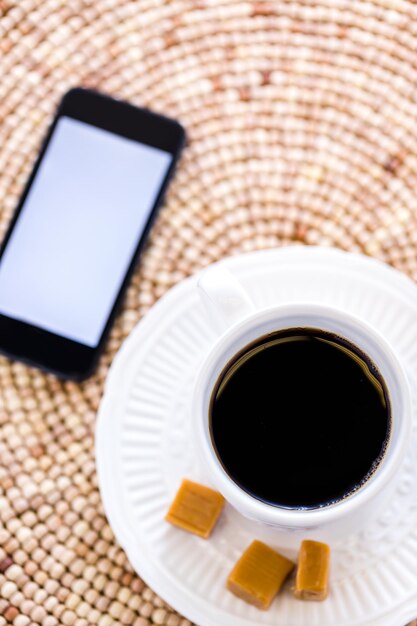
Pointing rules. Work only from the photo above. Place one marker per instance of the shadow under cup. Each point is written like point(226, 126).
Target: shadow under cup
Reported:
point(300, 418)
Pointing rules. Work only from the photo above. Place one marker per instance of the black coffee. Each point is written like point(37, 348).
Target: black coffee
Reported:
point(300, 419)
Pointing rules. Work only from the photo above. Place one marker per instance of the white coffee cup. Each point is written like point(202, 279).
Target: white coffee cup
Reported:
point(238, 324)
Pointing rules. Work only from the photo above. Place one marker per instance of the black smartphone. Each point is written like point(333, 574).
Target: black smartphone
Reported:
point(79, 227)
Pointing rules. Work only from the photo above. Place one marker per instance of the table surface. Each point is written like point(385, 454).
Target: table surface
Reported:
point(301, 129)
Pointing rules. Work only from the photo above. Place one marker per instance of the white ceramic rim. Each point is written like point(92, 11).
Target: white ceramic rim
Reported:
point(355, 331)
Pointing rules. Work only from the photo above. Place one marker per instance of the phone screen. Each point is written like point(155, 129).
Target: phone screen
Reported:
point(77, 232)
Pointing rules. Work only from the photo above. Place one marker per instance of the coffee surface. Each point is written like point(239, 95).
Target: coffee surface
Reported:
point(300, 419)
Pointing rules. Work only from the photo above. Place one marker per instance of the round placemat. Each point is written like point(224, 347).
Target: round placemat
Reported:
point(301, 121)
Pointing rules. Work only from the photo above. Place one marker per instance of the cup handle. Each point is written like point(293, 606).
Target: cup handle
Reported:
point(223, 297)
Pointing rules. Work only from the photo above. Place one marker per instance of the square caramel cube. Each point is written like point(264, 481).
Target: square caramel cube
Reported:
point(312, 580)
point(259, 574)
point(196, 508)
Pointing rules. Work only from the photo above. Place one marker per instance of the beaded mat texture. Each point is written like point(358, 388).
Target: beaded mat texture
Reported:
point(302, 127)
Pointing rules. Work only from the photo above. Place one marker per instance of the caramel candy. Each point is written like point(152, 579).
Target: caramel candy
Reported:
point(259, 574)
point(195, 508)
point(312, 578)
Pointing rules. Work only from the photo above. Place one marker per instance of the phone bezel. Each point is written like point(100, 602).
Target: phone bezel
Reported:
point(36, 346)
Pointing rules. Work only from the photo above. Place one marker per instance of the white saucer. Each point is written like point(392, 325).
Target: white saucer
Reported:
point(144, 450)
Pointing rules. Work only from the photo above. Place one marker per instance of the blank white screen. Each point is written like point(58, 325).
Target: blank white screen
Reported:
point(75, 236)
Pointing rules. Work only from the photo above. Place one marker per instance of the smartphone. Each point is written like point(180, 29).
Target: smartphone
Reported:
point(79, 228)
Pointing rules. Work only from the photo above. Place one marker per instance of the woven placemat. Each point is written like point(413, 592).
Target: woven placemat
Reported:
point(302, 126)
